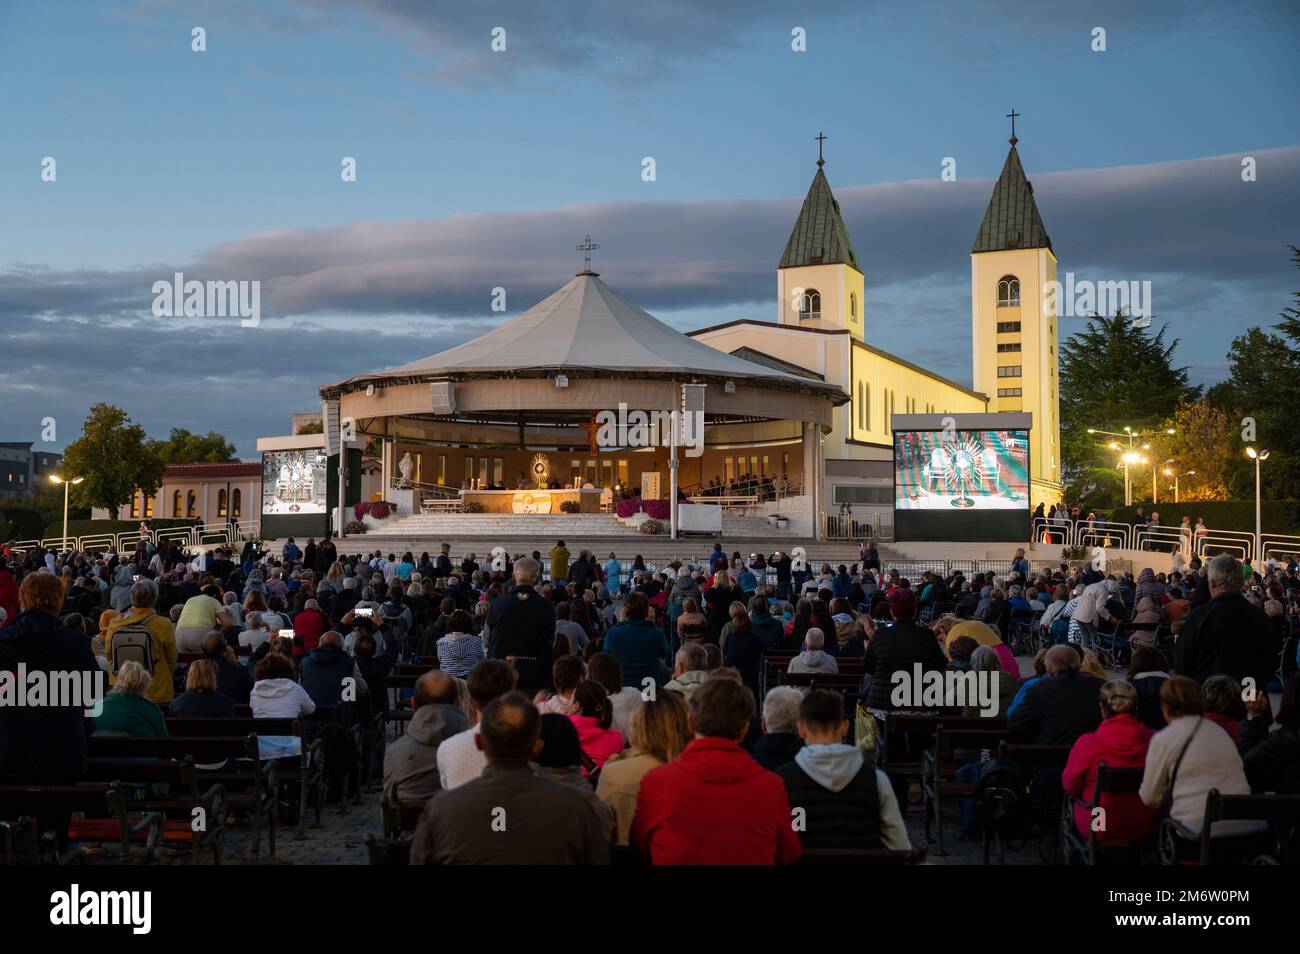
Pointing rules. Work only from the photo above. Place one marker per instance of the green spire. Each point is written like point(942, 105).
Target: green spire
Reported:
point(819, 236)
point(1012, 220)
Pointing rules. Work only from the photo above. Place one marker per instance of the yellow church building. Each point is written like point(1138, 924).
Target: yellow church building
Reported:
point(821, 331)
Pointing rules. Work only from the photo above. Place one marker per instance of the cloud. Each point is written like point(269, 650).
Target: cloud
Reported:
point(345, 299)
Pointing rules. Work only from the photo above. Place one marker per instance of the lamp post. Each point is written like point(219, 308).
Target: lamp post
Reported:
point(1175, 474)
point(67, 484)
point(1131, 456)
point(1258, 457)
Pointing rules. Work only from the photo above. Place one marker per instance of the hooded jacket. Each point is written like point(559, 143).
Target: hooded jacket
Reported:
point(768, 629)
point(774, 749)
point(119, 596)
point(713, 805)
point(163, 638)
point(280, 699)
point(813, 660)
point(1121, 742)
point(846, 802)
point(559, 563)
point(687, 682)
point(411, 763)
point(44, 743)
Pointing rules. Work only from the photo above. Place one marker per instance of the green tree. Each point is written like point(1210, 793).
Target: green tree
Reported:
point(1205, 440)
point(311, 427)
point(1265, 379)
point(185, 447)
point(1114, 373)
point(114, 456)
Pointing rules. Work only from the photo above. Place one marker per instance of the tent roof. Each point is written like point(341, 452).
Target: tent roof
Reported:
point(587, 326)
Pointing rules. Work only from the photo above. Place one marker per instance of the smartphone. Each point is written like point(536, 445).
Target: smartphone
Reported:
point(286, 634)
point(363, 611)
point(135, 577)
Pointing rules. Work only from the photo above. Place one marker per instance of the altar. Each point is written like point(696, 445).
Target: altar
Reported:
point(533, 501)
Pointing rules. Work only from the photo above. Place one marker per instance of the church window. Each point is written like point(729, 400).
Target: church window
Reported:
point(176, 503)
point(190, 500)
point(810, 306)
point(1009, 292)
point(853, 306)
point(236, 504)
point(221, 503)
point(135, 505)
point(148, 506)
point(866, 406)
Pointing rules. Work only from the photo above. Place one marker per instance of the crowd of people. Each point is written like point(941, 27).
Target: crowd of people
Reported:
point(582, 709)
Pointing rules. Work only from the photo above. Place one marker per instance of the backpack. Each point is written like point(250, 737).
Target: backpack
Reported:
point(134, 643)
point(1002, 800)
point(1060, 631)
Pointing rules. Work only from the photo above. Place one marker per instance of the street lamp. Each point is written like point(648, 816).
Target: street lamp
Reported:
point(1258, 457)
point(1175, 474)
point(56, 479)
point(1132, 457)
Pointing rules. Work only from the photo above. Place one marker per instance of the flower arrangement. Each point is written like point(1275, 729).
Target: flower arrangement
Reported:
point(570, 506)
point(381, 509)
point(658, 509)
point(361, 509)
point(355, 526)
point(471, 506)
point(651, 527)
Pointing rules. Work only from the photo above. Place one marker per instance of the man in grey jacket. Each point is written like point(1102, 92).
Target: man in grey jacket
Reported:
point(411, 763)
point(509, 815)
point(813, 659)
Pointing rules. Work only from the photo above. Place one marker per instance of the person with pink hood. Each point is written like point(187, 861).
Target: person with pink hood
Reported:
point(985, 635)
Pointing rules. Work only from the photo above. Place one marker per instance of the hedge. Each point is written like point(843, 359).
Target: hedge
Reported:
point(1278, 516)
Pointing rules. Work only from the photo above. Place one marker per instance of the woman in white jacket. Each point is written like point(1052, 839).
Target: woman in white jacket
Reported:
point(277, 695)
point(1190, 756)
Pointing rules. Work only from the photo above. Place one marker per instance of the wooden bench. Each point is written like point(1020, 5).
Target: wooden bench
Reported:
point(38, 809)
point(249, 784)
point(176, 813)
point(939, 767)
point(1178, 844)
point(400, 818)
point(919, 729)
point(1110, 781)
point(307, 770)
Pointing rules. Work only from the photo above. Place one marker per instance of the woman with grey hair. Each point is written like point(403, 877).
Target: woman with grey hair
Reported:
point(1003, 686)
point(1121, 741)
point(1224, 705)
point(126, 712)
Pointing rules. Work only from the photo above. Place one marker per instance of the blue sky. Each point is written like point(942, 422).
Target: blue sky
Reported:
point(478, 169)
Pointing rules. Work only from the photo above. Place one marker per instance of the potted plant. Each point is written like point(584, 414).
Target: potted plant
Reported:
point(471, 506)
point(354, 526)
point(570, 506)
point(651, 526)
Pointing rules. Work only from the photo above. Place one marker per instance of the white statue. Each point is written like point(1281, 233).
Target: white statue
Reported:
point(404, 466)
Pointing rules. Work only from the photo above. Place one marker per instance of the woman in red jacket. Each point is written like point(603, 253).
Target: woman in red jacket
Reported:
point(592, 716)
point(1121, 742)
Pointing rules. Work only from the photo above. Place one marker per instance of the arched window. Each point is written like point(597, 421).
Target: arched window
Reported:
point(148, 507)
point(1009, 292)
point(853, 306)
point(866, 405)
point(810, 306)
point(135, 505)
point(221, 502)
point(176, 503)
point(237, 504)
point(190, 499)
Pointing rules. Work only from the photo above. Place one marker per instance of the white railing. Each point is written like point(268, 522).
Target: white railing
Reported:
point(1278, 543)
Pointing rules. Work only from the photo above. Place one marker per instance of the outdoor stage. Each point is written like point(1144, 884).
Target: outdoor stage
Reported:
point(533, 501)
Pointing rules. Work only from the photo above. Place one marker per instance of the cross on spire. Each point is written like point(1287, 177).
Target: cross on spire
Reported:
point(587, 247)
point(1012, 116)
point(821, 138)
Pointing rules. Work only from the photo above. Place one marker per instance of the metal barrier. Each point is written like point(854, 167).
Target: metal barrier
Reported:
point(1213, 542)
point(1162, 538)
point(1284, 543)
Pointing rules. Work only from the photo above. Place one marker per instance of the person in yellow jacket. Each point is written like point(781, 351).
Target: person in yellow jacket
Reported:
point(141, 613)
point(559, 563)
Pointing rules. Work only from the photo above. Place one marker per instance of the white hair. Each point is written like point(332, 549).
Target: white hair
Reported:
point(814, 638)
point(781, 709)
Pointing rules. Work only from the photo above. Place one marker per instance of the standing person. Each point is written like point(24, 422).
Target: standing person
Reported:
point(547, 821)
point(614, 575)
point(638, 644)
point(522, 624)
point(45, 744)
point(559, 563)
point(714, 804)
point(1228, 635)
